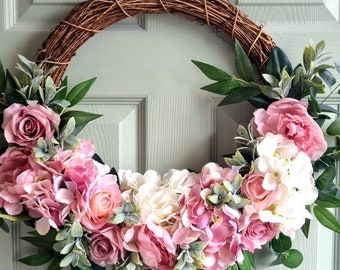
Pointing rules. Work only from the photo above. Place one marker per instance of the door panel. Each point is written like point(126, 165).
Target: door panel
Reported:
point(155, 116)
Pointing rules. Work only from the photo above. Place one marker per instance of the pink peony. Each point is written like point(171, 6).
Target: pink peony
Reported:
point(213, 173)
point(13, 162)
point(106, 246)
point(153, 243)
point(289, 117)
point(81, 171)
point(252, 187)
point(24, 125)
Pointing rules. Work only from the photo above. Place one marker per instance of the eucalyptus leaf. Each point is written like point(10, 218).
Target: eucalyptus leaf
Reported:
point(67, 248)
point(76, 229)
point(79, 91)
point(326, 218)
point(243, 64)
point(67, 260)
point(212, 72)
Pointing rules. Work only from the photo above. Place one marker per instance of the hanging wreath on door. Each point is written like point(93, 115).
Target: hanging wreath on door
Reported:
point(89, 216)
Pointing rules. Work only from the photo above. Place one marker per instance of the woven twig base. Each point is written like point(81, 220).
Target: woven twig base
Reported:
point(92, 16)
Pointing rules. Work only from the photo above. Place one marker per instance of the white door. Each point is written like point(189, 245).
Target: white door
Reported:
point(155, 116)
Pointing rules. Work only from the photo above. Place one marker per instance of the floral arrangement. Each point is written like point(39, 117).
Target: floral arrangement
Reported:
point(89, 216)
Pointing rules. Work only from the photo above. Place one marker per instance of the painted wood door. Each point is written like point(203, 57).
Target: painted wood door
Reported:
point(155, 116)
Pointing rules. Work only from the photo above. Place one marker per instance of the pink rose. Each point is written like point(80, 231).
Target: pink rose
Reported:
point(99, 201)
point(252, 187)
point(153, 243)
point(260, 232)
point(106, 246)
point(289, 117)
point(24, 125)
point(254, 229)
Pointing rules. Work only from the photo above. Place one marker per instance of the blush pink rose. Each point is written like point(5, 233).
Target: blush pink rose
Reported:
point(154, 245)
point(289, 117)
point(259, 232)
point(24, 125)
point(99, 201)
point(106, 246)
point(261, 198)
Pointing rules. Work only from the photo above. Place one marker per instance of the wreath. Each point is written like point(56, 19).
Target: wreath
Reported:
point(89, 216)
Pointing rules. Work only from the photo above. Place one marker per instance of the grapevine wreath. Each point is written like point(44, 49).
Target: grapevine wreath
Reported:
point(89, 216)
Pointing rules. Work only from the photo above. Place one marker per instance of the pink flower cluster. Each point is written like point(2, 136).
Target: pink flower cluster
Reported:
point(229, 212)
point(70, 182)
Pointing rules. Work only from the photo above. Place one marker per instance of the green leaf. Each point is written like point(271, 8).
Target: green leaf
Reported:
point(313, 106)
point(62, 91)
point(326, 178)
point(212, 72)
point(54, 264)
point(248, 262)
point(320, 46)
point(16, 218)
point(323, 67)
point(240, 94)
point(328, 77)
point(308, 57)
point(40, 258)
point(334, 128)
point(11, 93)
point(305, 227)
point(326, 218)
point(292, 258)
point(233, 267)
point(281, 244)
point(222, 87)
point(81, 118)
point(327, 200)
point(243, 64)
point(277, 61)
point(79, 91)
point(2, 78)
point(4, 226)
point(37, 242)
